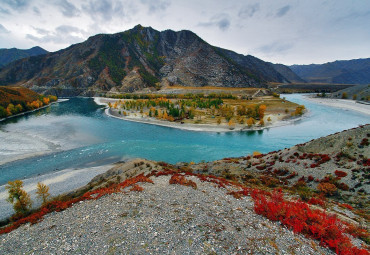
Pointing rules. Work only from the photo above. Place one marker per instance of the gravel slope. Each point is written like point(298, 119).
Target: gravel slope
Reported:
point(162, 219)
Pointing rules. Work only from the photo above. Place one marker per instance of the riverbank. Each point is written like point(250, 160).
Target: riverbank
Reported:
point(24, 113)
point(275, 121)
point(344, 104)
point(59, 182)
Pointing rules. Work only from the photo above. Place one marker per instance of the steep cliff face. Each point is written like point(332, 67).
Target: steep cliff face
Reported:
point(135, 59)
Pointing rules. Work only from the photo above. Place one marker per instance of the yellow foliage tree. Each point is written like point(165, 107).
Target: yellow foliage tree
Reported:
point(261, 111)
point(18, 197)
point(250, 122)
point(231, 123)
point(42, 192)
point(262, 122)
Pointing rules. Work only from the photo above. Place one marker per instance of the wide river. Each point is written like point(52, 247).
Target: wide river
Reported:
point(77, 134)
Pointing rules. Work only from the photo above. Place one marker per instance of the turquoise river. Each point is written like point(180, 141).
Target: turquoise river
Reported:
point(81, 135)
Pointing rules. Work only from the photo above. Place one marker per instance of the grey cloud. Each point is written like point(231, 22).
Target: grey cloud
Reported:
point(61, 35)
point(4, 11)
point(36, 11)
point(249, 11)
point(68, 9)
point(275, 47)
point(282, 11)
point(222, 21)
point(17, 4)
point(105, 9)
point(156, 5)
point(3, 30)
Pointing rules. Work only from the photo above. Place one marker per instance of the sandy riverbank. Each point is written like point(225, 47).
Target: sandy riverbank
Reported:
point(344, 104)
point(275, 122)
point(59, 182)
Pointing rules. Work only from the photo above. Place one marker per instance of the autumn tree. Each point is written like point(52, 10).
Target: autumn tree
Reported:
point(18, 197)
point(231, 123)
point(262, 122)
point(43, 192)
point(261, 111)
point(250, 122)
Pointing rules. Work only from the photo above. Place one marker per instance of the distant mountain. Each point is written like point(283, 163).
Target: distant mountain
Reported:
point(10, 55)
point(356, 71)
point(135, 59)
point(288, 73)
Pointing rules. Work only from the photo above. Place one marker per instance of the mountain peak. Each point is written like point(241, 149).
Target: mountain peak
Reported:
point(139, 58)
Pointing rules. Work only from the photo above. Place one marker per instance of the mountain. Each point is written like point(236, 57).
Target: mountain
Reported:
point(135, 59)
point(288, 73)
point(356, 71)
point(10, 55)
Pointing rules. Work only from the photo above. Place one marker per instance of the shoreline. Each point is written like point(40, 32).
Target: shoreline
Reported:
point(344, 104)
point(193, 127)
point(60, 182)
point(43, 107)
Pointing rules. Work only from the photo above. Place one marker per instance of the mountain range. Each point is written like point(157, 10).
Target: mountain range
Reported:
point(355, 71)
point(10, 55)
point(140, 58)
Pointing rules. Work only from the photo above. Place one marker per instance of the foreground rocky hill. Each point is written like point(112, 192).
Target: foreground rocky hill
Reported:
point(337, 166)
point(139, 58)
point(249, 205)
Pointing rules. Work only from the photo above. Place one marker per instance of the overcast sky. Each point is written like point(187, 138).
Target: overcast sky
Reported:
point(279, 31)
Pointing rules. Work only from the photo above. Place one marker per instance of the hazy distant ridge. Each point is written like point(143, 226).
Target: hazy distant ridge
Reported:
point(356, 71)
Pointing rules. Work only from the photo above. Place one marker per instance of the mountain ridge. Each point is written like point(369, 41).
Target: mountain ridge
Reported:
point(9, 55)
point(139, 58)
point(354, 71)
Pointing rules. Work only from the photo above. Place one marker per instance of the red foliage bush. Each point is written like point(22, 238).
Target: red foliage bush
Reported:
point(310, 178)
point(316, 201)
point(340, 173)
point(347, 206)
point(327, 188)
point(137, 188)
point(299, 217)
point(180, 179)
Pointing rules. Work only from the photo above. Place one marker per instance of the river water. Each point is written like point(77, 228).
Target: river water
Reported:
point(77, 134)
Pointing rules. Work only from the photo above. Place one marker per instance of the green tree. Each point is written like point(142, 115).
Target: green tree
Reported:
point(3, 112)
point(18, 197)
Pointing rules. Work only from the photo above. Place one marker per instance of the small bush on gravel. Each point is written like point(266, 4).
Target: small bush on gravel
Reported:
point(180, 179)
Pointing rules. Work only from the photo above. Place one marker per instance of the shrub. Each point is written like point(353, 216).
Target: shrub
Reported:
point(317, 224)
point(180, 179)
point(327, 188)
point(340, 173)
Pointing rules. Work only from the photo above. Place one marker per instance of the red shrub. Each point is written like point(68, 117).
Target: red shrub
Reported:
point(299, 217)
point(310, 178)
point(347, 206)
point(137, 188)
point(340, 173)
point(180, 179)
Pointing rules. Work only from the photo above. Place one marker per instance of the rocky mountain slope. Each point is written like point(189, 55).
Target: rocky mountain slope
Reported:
point(356, 71)
point(358, 92)
point(135, 59)
point(9, 55)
